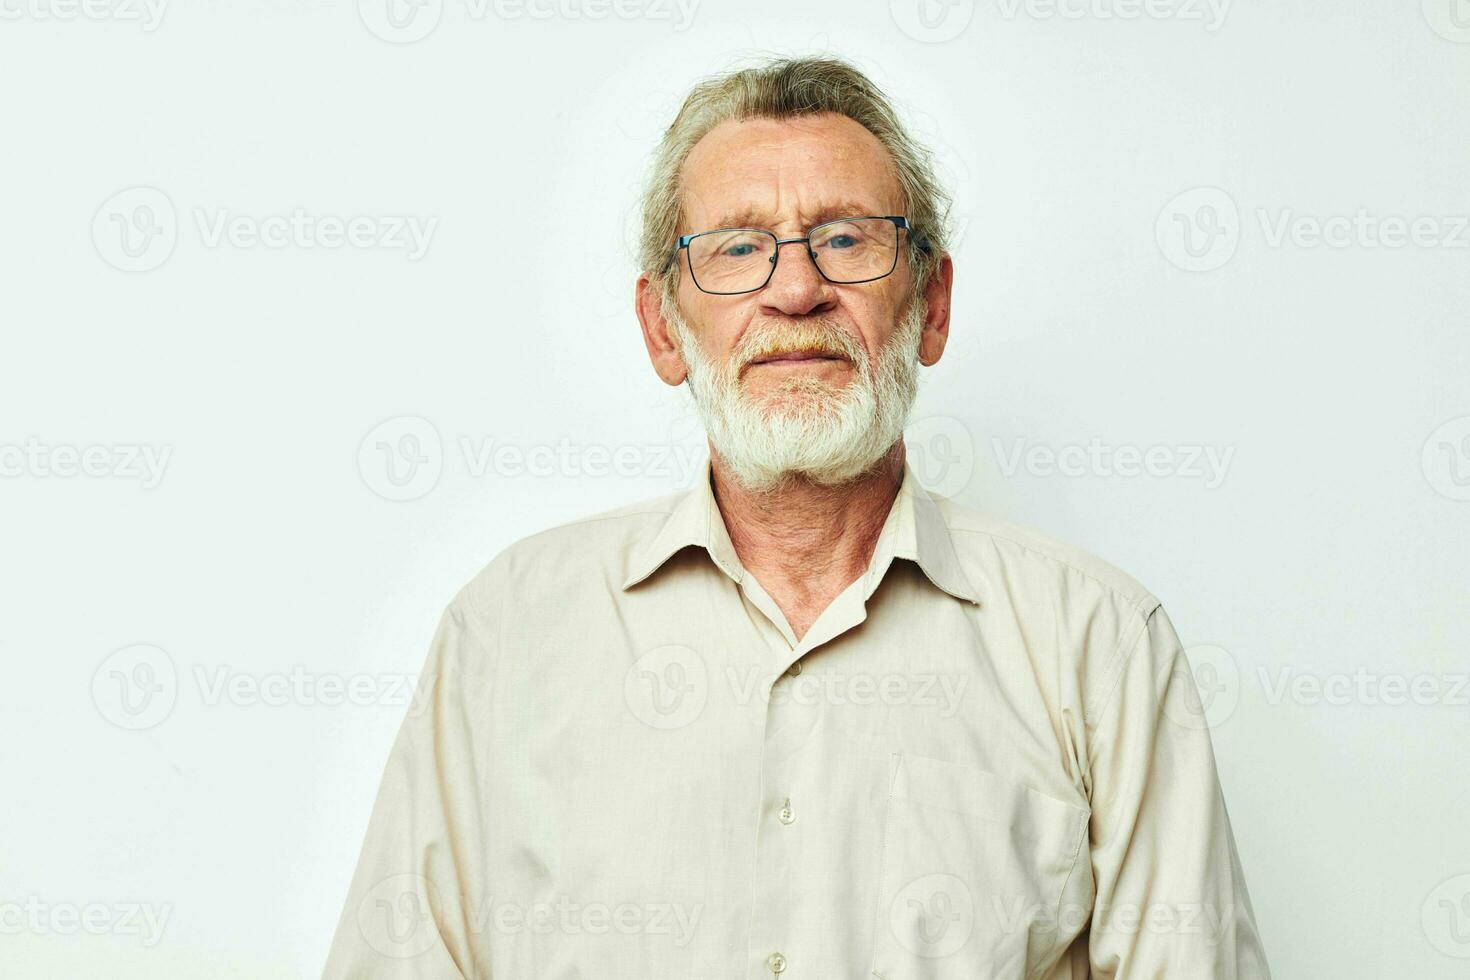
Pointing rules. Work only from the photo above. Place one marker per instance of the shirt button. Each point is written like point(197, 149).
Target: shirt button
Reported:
point(786, 815)
point(776, 963)
point(794, 669)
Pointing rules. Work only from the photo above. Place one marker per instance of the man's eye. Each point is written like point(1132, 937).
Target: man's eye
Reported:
point(739, 251)
point(842, 241)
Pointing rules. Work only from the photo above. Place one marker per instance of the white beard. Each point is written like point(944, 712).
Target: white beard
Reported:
point(812, 430)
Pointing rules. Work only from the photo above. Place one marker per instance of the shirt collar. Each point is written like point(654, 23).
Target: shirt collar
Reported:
point(915, 527)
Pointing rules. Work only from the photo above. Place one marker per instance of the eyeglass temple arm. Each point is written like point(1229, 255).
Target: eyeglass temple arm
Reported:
point(682, 244)
point(918, 239)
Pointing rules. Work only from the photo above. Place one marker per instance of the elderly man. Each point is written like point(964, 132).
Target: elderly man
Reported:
point(805, 721)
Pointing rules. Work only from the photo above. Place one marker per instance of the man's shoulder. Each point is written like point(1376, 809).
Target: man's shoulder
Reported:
point(601, 538)
point(576, 554)
point(994, 549)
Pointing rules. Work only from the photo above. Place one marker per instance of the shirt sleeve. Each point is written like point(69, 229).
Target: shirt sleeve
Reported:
point(408, 912)
point(1171, 898)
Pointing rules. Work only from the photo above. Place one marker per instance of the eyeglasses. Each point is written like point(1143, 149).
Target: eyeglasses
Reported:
point(730, 261)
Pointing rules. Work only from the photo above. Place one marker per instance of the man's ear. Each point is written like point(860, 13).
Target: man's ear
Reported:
point(662, 349)
point(936, 318)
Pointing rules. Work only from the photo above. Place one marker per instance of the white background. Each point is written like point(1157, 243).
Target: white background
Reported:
point(1333, 381)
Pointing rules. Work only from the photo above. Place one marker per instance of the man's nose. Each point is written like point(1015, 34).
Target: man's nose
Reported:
point(796, 287)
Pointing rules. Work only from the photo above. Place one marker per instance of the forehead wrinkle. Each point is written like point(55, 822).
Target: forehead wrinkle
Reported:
point(768, 153)
point(807, 216)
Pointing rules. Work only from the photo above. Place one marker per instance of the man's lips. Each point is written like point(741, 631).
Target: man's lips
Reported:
point(798, 356)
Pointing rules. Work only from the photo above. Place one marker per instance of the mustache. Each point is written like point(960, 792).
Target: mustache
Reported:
point(818, 336)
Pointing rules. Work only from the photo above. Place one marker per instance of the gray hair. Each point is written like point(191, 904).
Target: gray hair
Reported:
point(785, 88)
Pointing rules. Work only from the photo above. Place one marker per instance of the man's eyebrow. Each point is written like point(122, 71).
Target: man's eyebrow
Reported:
point(757, 218)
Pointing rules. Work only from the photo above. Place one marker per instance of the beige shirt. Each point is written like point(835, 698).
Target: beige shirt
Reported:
point(986, 759)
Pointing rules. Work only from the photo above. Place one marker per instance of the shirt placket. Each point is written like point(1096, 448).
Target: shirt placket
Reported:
point(778, 895)
point(773, 950)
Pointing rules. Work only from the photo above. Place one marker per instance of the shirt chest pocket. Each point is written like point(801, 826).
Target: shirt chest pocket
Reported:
point(973, 868)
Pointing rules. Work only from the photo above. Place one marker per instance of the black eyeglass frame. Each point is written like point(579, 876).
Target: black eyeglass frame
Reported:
point(901, 222)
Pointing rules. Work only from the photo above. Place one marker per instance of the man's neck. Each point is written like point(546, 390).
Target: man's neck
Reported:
point(805, 543)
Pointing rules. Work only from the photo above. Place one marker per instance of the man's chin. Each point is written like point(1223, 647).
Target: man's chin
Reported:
point(793, 396)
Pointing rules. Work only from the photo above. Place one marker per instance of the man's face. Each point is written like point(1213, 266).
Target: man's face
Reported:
point(797, 337)
point(804, 376)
